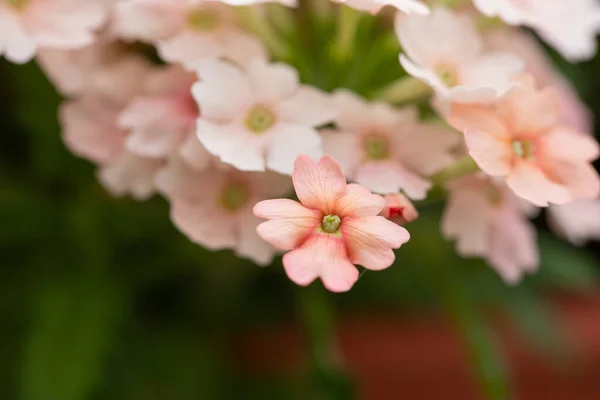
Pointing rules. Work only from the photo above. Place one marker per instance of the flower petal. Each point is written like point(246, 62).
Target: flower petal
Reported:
point(318, 185)
point(309, 106)
point(289, 141)
point(358, 201)
point(250, 245)
point(389, 177)
point(370, 240)
point(530, 183)
point(491, 154)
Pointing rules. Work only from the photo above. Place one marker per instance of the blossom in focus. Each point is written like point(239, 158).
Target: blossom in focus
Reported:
point(28, 25)
point(373, 6)
point(258, 118)
point(89, 126)
point(486, 220)
point(445, 51)
point(522, 139)
point(334, 226)
point(162, 119)
point(187, 31)
point(569, 26)
point(214, 208)
point(399, 209)
point(577, 222)
point(387, 149)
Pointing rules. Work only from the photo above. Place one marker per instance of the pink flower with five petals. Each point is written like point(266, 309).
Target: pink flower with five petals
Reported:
point(335, 226)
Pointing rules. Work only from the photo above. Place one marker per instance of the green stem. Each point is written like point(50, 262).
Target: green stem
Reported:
point(404, 90)
point(348, 20)
point(462, 167)
point(256, 21)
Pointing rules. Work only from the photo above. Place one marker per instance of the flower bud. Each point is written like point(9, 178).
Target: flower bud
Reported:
point(399, 209)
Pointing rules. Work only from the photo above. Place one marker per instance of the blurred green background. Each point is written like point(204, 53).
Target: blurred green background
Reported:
point(102, 298)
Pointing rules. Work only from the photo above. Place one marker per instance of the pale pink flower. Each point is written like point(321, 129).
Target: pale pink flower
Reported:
point(387, 149)
point(373, 6)
point(28, 25)
point(103, 68)
point(187, 31)
point(399, 209)
point(577, 222)
point(522, 139)
point(214, 208)
point(444, 50)
point(258, 118)
point(486, 220)
point(162, 119)
point(569, 26)
point(335, 226)
point(89, 129)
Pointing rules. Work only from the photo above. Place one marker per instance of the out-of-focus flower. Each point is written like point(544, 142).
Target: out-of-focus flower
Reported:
point(387, 149)
point(187, 31)
point(577, 222)
point(335, 226)
point(104, 68)
point(486, 221)
point(214, 208)
point(28, 25)
point(445, 51)
point(89, 126)
point(569, 26)
point(373, 6)
point(259, 118)
point(522, 139)
point(399, 209)
point(574, 112)
point(162, 119)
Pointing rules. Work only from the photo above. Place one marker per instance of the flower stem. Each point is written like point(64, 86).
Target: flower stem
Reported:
point(348, 19)
point(462, 167)
point(404, 90)
point(255, 21)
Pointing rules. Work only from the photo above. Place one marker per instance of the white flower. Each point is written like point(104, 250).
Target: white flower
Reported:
point(259, 118)
point(373, 6)
point(445, 51)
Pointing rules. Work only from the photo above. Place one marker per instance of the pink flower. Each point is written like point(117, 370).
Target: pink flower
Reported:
point(258, 118)
point(577, 222)
point(373, 6)
point(444, 50)
point(214, 208)
point(569, 26)
point(522, 139)
point(387, 149)
point(399, 209)
point(90, 131)
point(187, 31)
point(27, 25)
point(486, 221)
point(162, 119)
point(335, 226)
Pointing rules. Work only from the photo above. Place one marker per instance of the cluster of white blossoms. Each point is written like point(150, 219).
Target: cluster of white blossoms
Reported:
point(205, 103)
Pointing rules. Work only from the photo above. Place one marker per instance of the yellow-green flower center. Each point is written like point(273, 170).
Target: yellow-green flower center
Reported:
point(376, 147)
point(494, 194)
point(234, 196)
point(331, 223)
point(18, 4)
point(260, 119)
point(201, 20)
point(523, 149)
point(448, 75)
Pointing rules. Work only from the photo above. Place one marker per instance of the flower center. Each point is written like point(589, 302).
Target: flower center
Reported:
point(376, 147)
point(494, 194)
point(18, 4)
point(234, 196)
point(201, 20)
point(331, 223)
point(260, 119)
point(523, 149)
point(447, 74)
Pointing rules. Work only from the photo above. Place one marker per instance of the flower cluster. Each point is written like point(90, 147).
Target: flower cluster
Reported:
point(224, 106)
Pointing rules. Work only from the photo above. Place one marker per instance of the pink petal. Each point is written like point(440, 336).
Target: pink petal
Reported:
point(358, 201)
point(530, 183)
point(194, 154)
point(478, 118)
point(289, 141)
point(249, 244)
point(272, 82)
point(324, 256)
point(189, 48)
point(290, 222)
point(309, 106)
point(318, 185)
point(390, 177)
point(491, 154)
point(370, 240)
point(566, 144)
point(344, 147)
